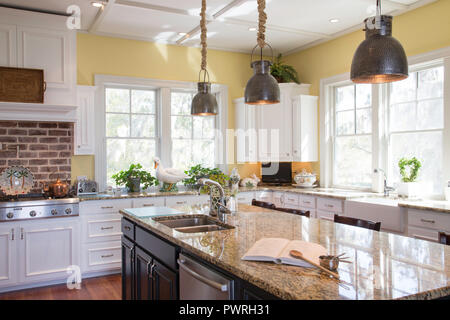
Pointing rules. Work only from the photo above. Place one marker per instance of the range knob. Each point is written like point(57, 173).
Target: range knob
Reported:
point(10, 215)
point(68, 211)
point(80, 190)
point(33, 213)
point(54, 212)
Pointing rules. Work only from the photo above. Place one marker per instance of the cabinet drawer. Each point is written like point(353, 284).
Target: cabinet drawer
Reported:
point(277, 198)
point(430, 220)
point(330, 205)
point(102, 227)
point(149, 202)
point(306, 202)
point(423, 234)
point(102, 256)
point(184, 200)
point(108, 206)
point(245, 197)
point(325, 215)
point(128, 228)
point(158, 248)
point(291, 200)
point(265, 196)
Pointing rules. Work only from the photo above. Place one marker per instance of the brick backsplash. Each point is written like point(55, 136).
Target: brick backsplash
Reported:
point(46, 148)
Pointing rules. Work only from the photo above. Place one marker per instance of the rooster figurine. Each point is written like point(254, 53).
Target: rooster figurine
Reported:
point(169, 176)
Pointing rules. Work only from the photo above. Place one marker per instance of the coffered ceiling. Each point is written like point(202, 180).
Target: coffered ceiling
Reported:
point(291, 25)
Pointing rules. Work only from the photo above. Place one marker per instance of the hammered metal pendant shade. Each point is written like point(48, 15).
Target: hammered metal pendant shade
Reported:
point(262, 88)
point(204, 103)
point(380, 58)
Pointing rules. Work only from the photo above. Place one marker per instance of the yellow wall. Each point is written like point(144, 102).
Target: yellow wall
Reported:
point(122, 57)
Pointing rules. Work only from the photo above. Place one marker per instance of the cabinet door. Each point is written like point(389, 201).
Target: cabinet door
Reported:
point(84, 128)
point(47, 50)
point(144, 277)
point(127, 269)
point(48, 248)
point(8, 45)
point(305, 143)
point(246, 135)
point(165, 282)
point(8, 256)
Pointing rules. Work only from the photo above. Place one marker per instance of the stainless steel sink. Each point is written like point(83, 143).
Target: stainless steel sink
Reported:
point(193, 224)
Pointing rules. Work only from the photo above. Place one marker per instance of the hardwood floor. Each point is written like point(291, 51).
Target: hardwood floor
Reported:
point(101, 288)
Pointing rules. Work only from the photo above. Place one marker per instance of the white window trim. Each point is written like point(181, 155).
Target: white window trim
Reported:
point(163, 88)
point(379, 136)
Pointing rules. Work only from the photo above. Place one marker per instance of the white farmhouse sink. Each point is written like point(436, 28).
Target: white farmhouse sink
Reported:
point(384, 210)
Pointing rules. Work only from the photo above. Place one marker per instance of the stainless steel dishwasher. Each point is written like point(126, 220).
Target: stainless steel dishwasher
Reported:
point(198, 282)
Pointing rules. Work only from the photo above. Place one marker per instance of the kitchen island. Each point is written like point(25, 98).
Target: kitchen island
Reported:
point(384, 266)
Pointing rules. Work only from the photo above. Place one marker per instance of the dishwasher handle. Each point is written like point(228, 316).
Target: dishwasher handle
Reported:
point(216, 285)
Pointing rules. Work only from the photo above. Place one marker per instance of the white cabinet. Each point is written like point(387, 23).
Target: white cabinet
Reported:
point(84, 127)
point(8, 255)
point(275, 125)
point(8, 45)
point(305, 140)
point(186, 200)
point(48, 248)
point(245, 197)
point(246, 134)
point(149, 202)
point(265, 196)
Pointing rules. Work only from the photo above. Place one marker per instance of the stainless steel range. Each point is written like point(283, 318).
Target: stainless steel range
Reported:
point(39, 207)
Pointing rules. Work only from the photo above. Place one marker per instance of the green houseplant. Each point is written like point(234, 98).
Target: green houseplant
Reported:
point(133, 177)
point(409, 171)
point(283, 72)
point(198, 171)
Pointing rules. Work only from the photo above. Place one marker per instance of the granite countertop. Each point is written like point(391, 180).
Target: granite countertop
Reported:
point(429, 205)
point(133, 195)
point(385, 266)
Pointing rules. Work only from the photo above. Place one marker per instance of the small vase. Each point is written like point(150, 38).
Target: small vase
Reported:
point(409, 189)
point(135, 184)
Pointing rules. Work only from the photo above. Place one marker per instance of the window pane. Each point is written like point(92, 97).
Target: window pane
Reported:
point(345, 98)
point(203, 127)
point(364, 121)
point(117, 125)
point(143, 101)
point(363, 95)
point(425, 146)
point(117, 100)
point(431, 83)
point(182, 154)
point(142, 126)
point(405, 90)
point(182, 127)
point(402, 117)
point(123, 152)
point(203, 152)
point(353, 161)
point(430, 114)
point(345, 122)
point(181, 103)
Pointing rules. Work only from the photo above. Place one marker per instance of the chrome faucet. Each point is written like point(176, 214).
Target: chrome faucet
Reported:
point(221, 208)
point(386, 188)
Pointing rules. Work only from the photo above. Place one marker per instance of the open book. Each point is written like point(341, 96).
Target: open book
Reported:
point(277, 250)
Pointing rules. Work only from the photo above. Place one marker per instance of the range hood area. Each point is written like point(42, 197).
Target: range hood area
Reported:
point(37, 112)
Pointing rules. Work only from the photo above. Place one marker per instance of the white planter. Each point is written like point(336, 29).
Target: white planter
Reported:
point(409, 189)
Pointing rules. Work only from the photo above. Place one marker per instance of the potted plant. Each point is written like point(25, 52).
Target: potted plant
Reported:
point(198, 171)
point(409, 170)
point(134, 177)
point(283, 72)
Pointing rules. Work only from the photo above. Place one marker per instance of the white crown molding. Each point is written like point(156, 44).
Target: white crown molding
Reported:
point(18, 111)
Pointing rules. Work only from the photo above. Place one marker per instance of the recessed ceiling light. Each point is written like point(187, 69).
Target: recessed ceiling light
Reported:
point(97, 4)
point(182, 33)
point(334, 20)
point(252, 29)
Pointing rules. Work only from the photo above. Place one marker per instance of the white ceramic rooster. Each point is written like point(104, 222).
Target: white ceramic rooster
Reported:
point(168, 175)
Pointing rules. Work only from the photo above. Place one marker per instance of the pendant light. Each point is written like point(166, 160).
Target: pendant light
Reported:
point(262, 88)
point(204, 103)
point(380, 58)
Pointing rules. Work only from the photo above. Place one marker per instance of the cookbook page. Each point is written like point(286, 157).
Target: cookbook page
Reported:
point(266, 249)
point(310, 250)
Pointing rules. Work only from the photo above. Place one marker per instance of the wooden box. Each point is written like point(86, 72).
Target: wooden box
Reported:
point(22, 85)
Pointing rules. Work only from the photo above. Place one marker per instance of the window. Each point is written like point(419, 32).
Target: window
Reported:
point(353, 136)
point(416, 123)
point(193, 138)
point(131, 130)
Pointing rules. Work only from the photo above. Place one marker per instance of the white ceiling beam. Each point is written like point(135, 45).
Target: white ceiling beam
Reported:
point(154, 7)
point(101, 14)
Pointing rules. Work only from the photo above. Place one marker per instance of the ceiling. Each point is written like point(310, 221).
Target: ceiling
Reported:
point(292, 25)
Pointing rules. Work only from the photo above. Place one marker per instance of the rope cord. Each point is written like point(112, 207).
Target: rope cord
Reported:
point(261, 23)
point(203, 34)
